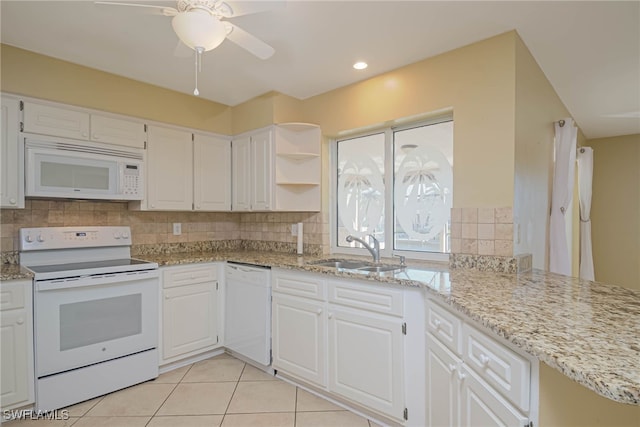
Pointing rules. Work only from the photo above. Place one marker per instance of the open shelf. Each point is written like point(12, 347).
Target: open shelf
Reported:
point(298, 156)
point(300, 184)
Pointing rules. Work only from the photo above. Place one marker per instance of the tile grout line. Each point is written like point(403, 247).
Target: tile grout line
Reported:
point(175, 386)
point(295, 409)
point(232, 394)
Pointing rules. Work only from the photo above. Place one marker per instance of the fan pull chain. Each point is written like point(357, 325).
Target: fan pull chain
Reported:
point(198, 64)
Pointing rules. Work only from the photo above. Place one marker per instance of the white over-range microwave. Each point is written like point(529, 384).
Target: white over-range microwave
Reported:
point(68, 169)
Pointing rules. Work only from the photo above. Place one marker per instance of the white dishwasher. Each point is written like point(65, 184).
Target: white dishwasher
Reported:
point(248, 312)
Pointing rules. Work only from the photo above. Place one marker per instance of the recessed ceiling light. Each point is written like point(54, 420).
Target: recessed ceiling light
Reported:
point(360, 65)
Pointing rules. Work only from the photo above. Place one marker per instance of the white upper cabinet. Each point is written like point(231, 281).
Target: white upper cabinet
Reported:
point(169, 169)
point(241, 170)
point(117, 131)
point(277, 169)
point(66, 122)
point(56, 121)
point(211, 173)
point(11, 169)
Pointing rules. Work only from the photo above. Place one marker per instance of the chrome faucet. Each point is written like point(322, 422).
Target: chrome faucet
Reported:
point(375, 250)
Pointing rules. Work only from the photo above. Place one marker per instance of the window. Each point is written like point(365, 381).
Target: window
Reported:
point(397, 185)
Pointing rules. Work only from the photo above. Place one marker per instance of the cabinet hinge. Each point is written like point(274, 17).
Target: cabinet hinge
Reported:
point(145, 145)
point(21, 105)
point(21, 127)
point(529, 424)
point(217, 339)
point(271, 355)
point(193, 137)
point(216, 286)
point(404, 328)
point(406, 414)
point(145, 128)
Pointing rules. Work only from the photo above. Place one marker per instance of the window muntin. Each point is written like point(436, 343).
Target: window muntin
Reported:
point(419, 160)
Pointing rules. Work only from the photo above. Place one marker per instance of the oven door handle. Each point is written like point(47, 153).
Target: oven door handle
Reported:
point(95, 280)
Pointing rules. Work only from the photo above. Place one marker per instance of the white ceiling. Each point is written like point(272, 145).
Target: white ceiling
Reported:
point(589, 51)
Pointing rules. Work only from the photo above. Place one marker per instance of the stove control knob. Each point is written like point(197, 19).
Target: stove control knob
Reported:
point(40, 238)
point(116, 235)
point(28, 238)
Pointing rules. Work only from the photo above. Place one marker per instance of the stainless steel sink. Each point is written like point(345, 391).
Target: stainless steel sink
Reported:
point(337, 263)
point(380, 268)
point(356, 266)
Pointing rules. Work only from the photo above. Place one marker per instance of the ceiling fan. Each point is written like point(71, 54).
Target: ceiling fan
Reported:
point(202, 26)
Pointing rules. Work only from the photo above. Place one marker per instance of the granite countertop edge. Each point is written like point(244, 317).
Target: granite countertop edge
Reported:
point(535, 335)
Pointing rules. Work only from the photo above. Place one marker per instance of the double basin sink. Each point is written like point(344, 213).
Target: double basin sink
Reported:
point(357, 266)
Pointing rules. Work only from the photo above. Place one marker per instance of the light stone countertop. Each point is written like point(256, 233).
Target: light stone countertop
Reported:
point(589, 331)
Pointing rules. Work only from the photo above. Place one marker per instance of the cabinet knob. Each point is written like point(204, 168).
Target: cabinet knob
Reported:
point(437, 323)
point(461, 375)
point(319, 311)
point(330, 316)
point(12, 201)
point(84, 134)
point(153, 206)
point(96, 136)
point(166, 297)
point(20, 321)
point(452, 367)
point(484, 360)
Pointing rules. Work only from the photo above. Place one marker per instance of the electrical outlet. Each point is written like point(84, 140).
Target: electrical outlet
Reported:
point(294, 229)
point(177, 228)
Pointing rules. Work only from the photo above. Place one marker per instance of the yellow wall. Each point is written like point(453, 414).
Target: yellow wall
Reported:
point(615, 210)
point(30, 74)
point(477, 81)
point(565, 403)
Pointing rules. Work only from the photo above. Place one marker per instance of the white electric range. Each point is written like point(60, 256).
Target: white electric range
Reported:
point(95, 312)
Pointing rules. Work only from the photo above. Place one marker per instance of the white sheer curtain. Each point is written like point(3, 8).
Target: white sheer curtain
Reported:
point(585, 177)
point(563, 178)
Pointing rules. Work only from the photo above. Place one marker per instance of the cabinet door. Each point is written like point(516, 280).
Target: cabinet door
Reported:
point(443, 386)
point(262, 180)
point(169, 169)
point(56, 121)
point(298, 336)
point(483, 406)
point(117, 131)
point(241, 167)
point(14, 357)
point(366, 359)
point(211, 173)
point(189, 318)
point(11, 170)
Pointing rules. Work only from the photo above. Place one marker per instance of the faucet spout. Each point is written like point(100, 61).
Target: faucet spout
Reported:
point(373, 250)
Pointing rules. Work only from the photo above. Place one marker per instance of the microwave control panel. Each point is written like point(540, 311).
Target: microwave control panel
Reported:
point(131, 179)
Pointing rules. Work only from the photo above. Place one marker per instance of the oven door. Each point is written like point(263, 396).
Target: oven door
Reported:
point(86, 320)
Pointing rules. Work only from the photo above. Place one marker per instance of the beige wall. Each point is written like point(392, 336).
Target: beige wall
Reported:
point(615, 210)
point(29, 74)
point(476, 81)
point(565, 403)
point(537, 108)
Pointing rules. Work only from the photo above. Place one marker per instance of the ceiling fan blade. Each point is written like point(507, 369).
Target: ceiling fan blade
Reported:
point(239, 8)
point(248, 42)
point(167, 11)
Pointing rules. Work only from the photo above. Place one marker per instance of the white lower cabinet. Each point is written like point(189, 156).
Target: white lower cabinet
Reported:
point(298, 341)
point(366, 359)
point(479, 383)
point(348, 339)
point(16, 344)
point(190, 311)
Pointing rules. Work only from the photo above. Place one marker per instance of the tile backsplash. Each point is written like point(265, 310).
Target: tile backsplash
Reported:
point(482, 231)
point(149, 228)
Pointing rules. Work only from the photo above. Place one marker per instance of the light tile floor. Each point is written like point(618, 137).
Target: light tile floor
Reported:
point(221, 391)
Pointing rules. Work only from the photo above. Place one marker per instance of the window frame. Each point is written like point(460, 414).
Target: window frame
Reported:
point(389, 177)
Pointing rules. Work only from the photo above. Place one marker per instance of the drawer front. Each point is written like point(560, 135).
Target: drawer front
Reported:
point(505, 370)
point(367, 297)
point(181, 276)
point(12, 295)
point(445, 326)
point(301, 285)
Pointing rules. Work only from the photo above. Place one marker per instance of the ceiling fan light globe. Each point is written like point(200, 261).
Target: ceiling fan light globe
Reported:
point(199, 29)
